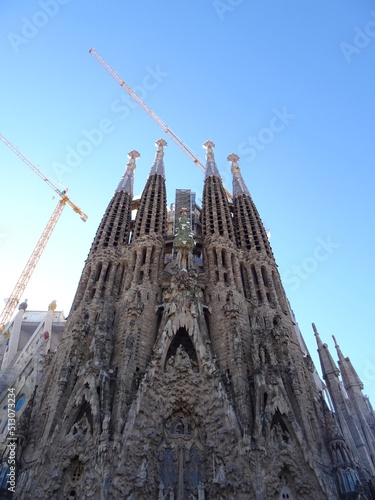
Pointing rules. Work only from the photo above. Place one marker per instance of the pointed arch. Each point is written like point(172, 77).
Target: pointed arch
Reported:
point(181, 340)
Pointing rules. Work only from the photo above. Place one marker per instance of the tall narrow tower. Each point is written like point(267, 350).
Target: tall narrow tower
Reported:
point(181, 377)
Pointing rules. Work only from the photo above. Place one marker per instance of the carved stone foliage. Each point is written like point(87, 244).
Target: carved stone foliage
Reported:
point(192, 442)
point(280, 332)
point(134, 303)
point(230, 307)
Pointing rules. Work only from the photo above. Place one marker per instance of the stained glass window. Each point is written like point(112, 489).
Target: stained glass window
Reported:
point(194, 470)
point(168, 469)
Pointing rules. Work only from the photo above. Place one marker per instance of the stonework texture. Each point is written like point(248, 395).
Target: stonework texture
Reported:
point(180, 374)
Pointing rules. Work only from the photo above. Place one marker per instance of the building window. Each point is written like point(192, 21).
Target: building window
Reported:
point(167, 473)
point(194, 470)
point(348, 480)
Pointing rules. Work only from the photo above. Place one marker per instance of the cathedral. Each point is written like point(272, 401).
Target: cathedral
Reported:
point(181, 372)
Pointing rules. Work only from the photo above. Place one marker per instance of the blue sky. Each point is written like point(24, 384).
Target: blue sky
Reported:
point(288, 86)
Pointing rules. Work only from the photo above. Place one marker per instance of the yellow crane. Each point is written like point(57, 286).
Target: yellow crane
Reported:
point(153, 115)
point(23, 280)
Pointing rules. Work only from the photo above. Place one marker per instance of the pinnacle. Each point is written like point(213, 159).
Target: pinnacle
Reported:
point(126, 183)
point(239, 186)
point(211, 167)
point(158, 165)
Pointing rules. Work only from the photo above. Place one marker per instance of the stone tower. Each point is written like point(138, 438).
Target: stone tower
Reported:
point(181, 373)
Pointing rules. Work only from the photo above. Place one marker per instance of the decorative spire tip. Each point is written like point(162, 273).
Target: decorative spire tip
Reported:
point(209, 145)
point(133, 157)
point(160, 143)
point(233, 158)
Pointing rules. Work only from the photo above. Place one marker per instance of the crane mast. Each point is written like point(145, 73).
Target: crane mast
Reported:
point(153, 115)
point(23, 280)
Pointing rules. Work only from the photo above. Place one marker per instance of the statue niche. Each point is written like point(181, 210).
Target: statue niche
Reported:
point(181, 354)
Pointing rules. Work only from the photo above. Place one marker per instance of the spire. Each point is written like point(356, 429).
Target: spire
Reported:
point(349, 375)
point(250, 232)
point(216, 214)
point(152, 211)
point(317, 336)
point(158, 165)
point(126, 183)
point(239, 186)
point(326, 361)
point(211, 167)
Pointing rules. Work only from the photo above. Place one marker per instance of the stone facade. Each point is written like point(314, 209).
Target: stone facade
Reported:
point(180, 373)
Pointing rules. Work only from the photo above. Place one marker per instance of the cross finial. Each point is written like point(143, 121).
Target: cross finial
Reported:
point(233, 158)
point(209, 145)
point(133, 157)
point(160, 143)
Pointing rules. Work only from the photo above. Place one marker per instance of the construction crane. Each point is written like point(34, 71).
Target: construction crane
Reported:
point(23, 280)
point(150, 113)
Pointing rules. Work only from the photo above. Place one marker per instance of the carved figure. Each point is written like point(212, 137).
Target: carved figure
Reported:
point(182, 360)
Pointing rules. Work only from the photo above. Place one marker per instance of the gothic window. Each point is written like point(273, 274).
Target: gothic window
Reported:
point(194, 470)
point(167, 473)
point(348, 479)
